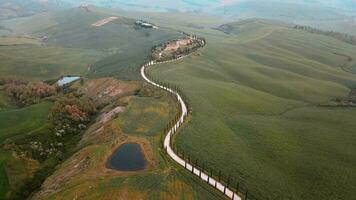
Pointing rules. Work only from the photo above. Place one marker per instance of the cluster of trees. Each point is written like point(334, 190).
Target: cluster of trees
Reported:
point(188, 49)
point(349, 100)
point(50, 147)
point(25, 94)
point(197, 43)
point(340, 36)
point(57, 139)
point(69, 114)
point(225, 28)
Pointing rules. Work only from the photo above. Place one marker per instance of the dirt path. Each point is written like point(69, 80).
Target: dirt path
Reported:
point(167, 141)
point(104, 21)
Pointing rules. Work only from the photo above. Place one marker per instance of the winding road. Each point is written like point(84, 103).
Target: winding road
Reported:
point(167, 141)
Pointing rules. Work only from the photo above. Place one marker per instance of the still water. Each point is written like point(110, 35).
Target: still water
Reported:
point(128, 157)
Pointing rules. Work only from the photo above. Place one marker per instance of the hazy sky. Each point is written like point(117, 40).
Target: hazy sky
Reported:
point(207, 5)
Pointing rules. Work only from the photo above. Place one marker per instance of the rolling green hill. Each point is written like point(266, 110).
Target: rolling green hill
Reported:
point(255, 94)
point(68, 43)
point(117, 48)
point(41, 63)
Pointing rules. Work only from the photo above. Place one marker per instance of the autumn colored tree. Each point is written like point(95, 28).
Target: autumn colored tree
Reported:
point(70, 114)
point(28, 93)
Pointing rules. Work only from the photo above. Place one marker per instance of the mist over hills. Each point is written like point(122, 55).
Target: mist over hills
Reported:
point(287, 10)
point(217, 6)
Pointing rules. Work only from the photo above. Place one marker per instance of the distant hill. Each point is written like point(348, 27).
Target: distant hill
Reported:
point(231, 7)
point(122, 46)
point(23, 8)
point(338, 14)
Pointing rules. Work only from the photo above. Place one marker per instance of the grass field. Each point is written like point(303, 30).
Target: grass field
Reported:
point(4, 182)
point(4, 101)
point(254, 95)
point(41, 63)
point(9, 41)
point(114, 49)
point(146, 116)
point(17, 123)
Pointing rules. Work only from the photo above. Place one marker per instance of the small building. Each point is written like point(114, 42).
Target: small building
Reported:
point(145, 24)
point(66, 80)
point(172, 46)
point(187, 41)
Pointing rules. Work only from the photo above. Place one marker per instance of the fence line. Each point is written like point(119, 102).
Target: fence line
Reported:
point(176, 125)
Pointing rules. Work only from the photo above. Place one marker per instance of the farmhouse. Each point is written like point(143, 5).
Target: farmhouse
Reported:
point(145, 24)
point(172, 46)
point(187, 41)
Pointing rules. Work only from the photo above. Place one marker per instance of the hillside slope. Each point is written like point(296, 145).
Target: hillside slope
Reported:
point(255, 94)
point(116, 48)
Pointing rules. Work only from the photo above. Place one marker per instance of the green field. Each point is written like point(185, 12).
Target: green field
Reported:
point(254, 95)
point(9, 41)
point(76, 47)
point(42, 63)
point(146, 116)
point(18, 123)
point(4, 101)
point(4, 182)
point(25, 120)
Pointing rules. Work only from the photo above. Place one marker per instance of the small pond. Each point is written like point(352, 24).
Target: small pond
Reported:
point(67, 79)
point(128, 157)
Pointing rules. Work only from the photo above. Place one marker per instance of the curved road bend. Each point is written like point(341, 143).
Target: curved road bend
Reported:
point(167, 141)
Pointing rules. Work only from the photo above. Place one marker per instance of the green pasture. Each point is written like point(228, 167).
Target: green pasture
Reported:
point(42, 63)
point(75, 47)
point(18, 123)
point(24, 120)
point(147, 116)
point(254, 96)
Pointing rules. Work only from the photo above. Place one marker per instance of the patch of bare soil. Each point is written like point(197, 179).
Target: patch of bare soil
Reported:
point(104, 90)
point(105, 117)
point(104, 21)
point(101, 131)
point(77, 164)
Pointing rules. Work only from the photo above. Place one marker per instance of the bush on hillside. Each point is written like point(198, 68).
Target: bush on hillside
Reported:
point(70, 114)
point(350, 39)
point(30, 93)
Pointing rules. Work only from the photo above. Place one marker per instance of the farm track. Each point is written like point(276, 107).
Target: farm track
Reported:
point(173, 130)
